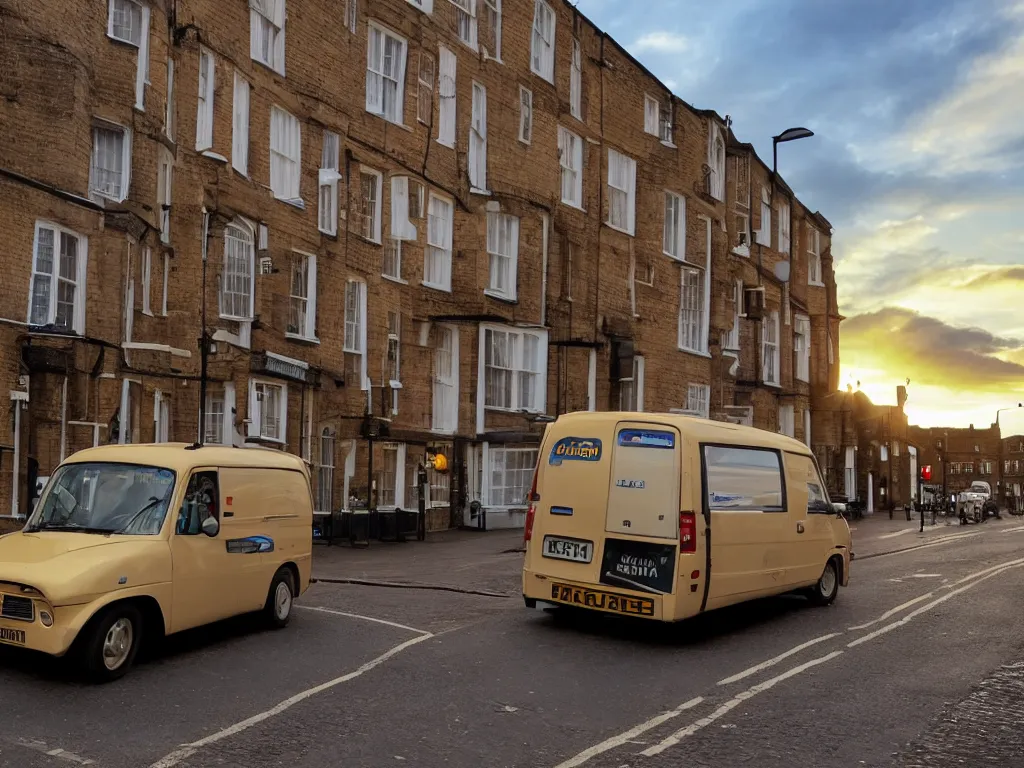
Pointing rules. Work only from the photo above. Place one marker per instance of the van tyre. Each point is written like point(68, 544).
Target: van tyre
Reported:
point(824, 592)
point(280, 599)
point(111, 643)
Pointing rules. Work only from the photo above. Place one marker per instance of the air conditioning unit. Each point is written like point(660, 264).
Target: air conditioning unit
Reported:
point(753, 303)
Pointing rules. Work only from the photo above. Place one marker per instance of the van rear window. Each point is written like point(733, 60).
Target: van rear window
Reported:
point(743, 479)
point(647, 438)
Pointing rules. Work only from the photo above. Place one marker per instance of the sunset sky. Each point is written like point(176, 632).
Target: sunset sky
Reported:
point(918, 162)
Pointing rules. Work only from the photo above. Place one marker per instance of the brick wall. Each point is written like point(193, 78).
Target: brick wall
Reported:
point(602, 297)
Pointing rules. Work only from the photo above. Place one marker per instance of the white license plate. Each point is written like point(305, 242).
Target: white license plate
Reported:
point(568, 549)
point(12, 636)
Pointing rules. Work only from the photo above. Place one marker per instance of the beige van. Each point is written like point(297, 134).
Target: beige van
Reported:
point(136, 541)
point(665, 516)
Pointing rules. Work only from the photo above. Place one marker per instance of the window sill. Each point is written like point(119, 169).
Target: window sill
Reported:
point(619, 229)
point(294, 202)
point(122, 41)
point(479, 191)
point(574, 206)
point(742, 250)
point(241, 173)
point(260, 440)
point(668, 144)
point(520, 411)
point(304, 339)
point(500, 296)
point(393, 279)
point(347, 351)
point(271, 67)
point(369, 240)
point(212, 155)
point(235, 319)
point(148, 313)
point(816, 283)
point(680, 259)
point(771, 384)
point(495, 59)
point(436, 287)
point(697, 352)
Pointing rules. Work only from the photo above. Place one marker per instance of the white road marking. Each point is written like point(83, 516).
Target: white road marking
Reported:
point(892, 612)
point(926, 576)
point(691, 729)
point(773, 661)
point(363, 618)
point(44, 748)
point(937, 543)
point(187, 750)
point(1014, 530)
point(985, 571)
point(626, 738)
point(898, 533)
point(925, 608)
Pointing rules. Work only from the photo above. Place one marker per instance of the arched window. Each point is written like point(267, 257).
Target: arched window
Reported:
point(236, 284)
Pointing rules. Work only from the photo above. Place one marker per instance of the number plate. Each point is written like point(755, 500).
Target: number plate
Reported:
point(12, 636)
point(602, 601)
point(568, 549)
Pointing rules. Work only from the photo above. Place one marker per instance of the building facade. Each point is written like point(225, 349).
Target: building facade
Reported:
point(1012, 485)
point(370, 232)
point(958, 457)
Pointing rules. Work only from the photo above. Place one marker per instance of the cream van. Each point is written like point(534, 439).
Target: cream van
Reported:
point(665, 516)
point(131, 542)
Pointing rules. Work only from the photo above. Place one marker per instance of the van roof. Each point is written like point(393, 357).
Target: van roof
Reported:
point(702, 430)
point(175, 456)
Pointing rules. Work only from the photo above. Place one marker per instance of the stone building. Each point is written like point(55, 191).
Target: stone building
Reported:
point(397, 229)
point(958, 457)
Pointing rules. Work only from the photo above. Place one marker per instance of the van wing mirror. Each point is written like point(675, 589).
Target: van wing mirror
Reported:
point(820, 507)
point(211, 527)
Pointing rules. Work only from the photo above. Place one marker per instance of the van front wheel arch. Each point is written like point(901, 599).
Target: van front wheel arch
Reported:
point(825, 591)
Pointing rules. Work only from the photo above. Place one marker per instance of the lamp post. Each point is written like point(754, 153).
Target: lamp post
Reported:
point(1000, 485)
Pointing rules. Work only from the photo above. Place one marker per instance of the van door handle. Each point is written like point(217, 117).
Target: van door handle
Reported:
point(799, 527)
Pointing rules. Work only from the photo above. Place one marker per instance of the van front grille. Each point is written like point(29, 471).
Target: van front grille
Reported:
point(18, 608)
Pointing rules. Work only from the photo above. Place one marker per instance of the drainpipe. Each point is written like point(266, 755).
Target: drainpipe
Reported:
point(64, 418)
point(16, 400)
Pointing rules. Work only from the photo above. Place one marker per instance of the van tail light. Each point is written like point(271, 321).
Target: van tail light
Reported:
point(687, 532)
point(531, 512)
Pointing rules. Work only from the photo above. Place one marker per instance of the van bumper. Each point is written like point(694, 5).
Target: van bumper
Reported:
point(53, 641)
point(540, 588)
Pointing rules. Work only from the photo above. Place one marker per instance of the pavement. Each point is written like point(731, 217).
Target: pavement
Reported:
point(432, 660)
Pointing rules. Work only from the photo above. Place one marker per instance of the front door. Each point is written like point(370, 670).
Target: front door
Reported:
point(751, 531)
point(203, 588)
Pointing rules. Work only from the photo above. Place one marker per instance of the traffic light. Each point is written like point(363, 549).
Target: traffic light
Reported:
point(926, 472)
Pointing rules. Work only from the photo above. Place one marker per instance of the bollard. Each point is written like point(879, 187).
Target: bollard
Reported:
point(922, 519)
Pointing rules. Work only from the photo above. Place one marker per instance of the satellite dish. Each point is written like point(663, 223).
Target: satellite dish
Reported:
point(782, 271)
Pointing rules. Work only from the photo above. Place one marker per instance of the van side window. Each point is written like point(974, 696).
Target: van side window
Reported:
point(744, 479)
point(201, 501)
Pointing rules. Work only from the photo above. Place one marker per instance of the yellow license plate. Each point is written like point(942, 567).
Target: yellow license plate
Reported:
point(602, 601)
point(12, 636)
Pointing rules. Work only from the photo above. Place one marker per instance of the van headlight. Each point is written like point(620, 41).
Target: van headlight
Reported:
point(46, 618)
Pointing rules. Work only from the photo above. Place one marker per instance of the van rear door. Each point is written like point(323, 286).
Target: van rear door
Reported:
point(643, 492)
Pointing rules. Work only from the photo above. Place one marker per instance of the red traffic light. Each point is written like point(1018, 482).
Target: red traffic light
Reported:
point(926, 472)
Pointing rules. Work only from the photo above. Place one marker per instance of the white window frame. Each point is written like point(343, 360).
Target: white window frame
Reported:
point(477, 164)
point(330, 175)
point(814, 272)
point(525, 115)
point(698, 400)
point(216, 418)
point(324, 475)
point(285, 156)
point(764, 233)
point(784, 228)
point(81, 271)
point(503, 255)
point(515, 369)
point(674, 239)
point(142, 67)
point(621, 187)
point(242, 234)
point(161, 417)
point(570, 158)
point(267, 19)
point(802, 347)
point(732, 336)
point(121, 193)
point(427, 6)
point(376, 77)
point(445, 410)
point(166, 276)
point(493, 454)
point(147, 281)
point(652, 115)
point(425, 85)
point(542, 41)
point(576, 81)
point(170, 112)
point(240, 124)
point(770, 350)
point(699, 314)
point(165, 192)
point(716, 160)
point(373, 231)
point(446, 96)
point(307, 304)
point(787, 420)
point(439, 246)
point(354, 335)
point(257, 425)
point(352, 15)
point(495, 16)
point(631, 387)
point(133, 8)
point(394, 353)
point(466, 22)
point(207, 91)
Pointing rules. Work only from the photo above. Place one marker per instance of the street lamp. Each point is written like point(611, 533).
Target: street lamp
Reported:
point(790, 134)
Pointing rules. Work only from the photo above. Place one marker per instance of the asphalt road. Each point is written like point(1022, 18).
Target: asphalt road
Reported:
point(917, 664)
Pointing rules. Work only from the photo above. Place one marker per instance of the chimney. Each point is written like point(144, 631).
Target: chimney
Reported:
point(901, 396)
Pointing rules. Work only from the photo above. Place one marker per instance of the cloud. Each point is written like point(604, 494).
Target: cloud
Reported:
point(903, 344)
point(997, 278)
point(661, 42)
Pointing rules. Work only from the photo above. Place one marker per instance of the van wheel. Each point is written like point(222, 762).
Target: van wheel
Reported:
point(278, 608)
point(111, 643)
point(825, 591)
